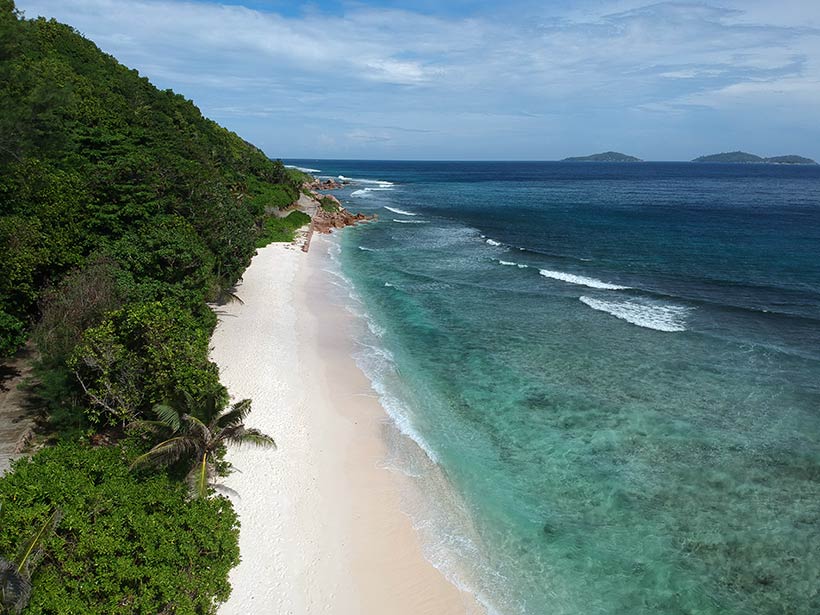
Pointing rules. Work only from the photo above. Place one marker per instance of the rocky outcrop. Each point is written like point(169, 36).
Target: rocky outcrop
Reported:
point(326, 221)
point(318, 184)
point(326, 213)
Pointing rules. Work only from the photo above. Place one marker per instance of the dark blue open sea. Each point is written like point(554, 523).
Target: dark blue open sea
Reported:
point(615, 366)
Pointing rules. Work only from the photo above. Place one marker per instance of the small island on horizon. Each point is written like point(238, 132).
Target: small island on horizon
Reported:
point(747, 158)
point(603, 157)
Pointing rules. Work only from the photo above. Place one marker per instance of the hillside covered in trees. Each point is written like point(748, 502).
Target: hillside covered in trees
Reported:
point(603, 157)
point(122, 212)
point(747, 158)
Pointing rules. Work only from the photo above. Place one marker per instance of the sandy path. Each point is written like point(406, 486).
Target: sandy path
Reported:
point(16, 414)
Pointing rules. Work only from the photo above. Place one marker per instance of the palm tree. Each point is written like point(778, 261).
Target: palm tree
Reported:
point(199, 441)
point(15, 588)
point(15, 575)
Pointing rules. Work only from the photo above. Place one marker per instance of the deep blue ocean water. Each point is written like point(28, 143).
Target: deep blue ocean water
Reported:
point(616, 367)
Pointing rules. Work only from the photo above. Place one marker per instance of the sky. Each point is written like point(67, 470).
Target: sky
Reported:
point(473, 79)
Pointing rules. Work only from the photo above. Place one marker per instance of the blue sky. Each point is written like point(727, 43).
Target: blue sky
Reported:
point(464, 79)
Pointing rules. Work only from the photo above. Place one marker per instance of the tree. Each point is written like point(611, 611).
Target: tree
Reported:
point(198, 442)
point(142, 355)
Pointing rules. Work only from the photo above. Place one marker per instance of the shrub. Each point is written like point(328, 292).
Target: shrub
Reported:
point(141, 355)
point(81, 300)
point(281, 229)
point(270, 196)
point(125, 544)
point(328, 204)
point(12, 333)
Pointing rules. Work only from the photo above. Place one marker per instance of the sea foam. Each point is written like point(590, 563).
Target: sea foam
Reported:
point(410, 221)
point(378, 182)
point(362, 192)
point(667, 318)
point(396, 210)
point(303, 169)
point(580, 280)
point(512, 264)
point(493, 242)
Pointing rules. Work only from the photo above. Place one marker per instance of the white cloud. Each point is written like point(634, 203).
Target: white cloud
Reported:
point(354, 74)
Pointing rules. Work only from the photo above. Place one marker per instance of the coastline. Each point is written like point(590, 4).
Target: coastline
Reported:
point(322, 522)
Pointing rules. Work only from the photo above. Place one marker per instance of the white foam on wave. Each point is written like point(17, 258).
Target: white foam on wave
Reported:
point(362, 192)
point(512, 264)
point(580, 280)
point(303, 169)
point(376, 361)
point(493, 242)
point(669, 318)
point(396, 210)
point(410, 221)
point(378, 365)
point(364, 249)
point(378, 182)
point(449, 544)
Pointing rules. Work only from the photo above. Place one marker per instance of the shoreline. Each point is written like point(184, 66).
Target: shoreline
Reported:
point(322, 523)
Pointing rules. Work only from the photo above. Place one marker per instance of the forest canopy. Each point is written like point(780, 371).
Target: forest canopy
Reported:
point(97, 163)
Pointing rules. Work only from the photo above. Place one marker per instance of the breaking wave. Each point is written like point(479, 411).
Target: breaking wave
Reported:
point(512, 264)
point(580, 280)
point(669, 318)
point(378, 182)
point(396, 210)
point(368, 191)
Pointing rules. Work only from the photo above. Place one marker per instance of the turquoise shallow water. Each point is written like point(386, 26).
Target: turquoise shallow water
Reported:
point(616, 368)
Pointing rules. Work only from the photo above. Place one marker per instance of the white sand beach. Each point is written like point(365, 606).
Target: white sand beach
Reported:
point(322, 526)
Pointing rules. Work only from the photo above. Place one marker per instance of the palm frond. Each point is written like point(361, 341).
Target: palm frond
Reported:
point(236, 415)
point(15, 588)
point(205, 408)
point(30, 550)
point(251, 436)
point(226, 296)
point(166, 453)
point(189, 404)
point(196, 429)
point(199, 477)
point(167, 415)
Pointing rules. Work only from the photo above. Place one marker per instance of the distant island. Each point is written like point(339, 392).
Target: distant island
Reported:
point(604, 157)
point(746, 158)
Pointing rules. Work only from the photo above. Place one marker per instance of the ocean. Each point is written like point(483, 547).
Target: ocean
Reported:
point(612, 370)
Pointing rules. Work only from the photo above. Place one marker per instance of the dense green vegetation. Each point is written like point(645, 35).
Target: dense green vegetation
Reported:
point(328, 204)
point(122, 212)
point(603, 157)
point(745, 157)
point(126, 543)
point(95, 161)
point(730, 157)
point(790, 159)
point(281, 229)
